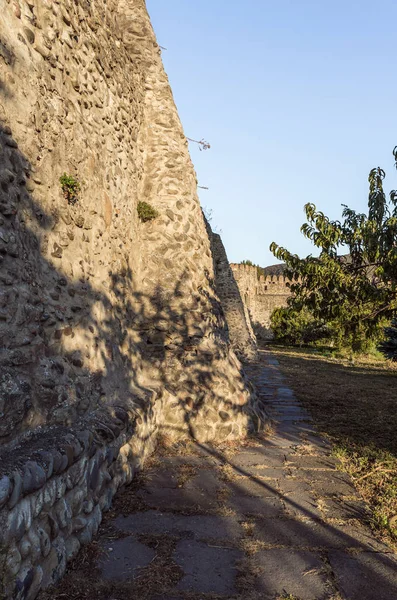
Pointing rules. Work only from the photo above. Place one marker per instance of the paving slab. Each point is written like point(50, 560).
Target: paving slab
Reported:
point(287, 420)
point(325, 483)
point(253, 487)
point(287, 572)
point(302, 504)
point(285, 392)
point(206, 482)
point(157, 523)
point(123, 558)
point(166, 499)
point(285, 441)
point(175, 462)
point(259, 473)
point(365, 576)
point(262, 507)
point(208, 570)
point(162, 478)
point(289, 407)
point(312, 534)
point(312, 462)
point(293, 484)
point(261, 456)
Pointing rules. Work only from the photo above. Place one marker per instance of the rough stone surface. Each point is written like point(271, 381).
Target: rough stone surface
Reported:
point(58, 495)
point(206, 570)
point(261, 296)
point(238, 320)
point(97, 306)
point(299, 572)
point(124, 558)
point(202, 526)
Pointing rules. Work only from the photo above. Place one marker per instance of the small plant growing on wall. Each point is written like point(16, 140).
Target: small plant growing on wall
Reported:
point(146, 212)
point(70, 187)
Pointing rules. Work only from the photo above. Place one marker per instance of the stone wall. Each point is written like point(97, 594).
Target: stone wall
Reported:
point(96, 305)
point(62, 481)
point(261, 295)
point(242, 337)
point(111, 330)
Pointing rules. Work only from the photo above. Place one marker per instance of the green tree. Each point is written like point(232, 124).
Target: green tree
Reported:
point(298, 327)
point(354, 293)
point(389, 346)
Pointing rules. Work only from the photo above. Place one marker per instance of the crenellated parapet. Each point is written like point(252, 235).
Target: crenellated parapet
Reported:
point(261, 294)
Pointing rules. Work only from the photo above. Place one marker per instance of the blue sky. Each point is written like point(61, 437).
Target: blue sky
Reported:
point(298, 102)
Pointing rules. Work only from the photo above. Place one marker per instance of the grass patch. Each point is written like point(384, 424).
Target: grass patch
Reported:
point(146, 212)
point(354, 404)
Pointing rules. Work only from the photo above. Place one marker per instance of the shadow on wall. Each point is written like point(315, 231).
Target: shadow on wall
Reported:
point(263, 334)
point(67, 348)
point(7, 55)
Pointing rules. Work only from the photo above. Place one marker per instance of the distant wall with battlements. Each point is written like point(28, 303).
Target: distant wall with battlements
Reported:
point(261, 295)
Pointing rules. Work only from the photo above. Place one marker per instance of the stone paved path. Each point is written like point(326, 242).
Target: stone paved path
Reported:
point(271, 518)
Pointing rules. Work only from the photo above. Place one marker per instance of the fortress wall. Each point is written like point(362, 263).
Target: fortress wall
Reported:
point(261, 295)
point(111, 328)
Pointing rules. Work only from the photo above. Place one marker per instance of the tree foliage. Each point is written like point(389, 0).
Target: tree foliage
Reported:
point(298, 327)
point(389, 346)
point(352, 285)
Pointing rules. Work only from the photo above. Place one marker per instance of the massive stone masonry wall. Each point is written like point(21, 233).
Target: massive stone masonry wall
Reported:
point(96, 305)
point(242, 337)
point(261, 295)
point(101, 315)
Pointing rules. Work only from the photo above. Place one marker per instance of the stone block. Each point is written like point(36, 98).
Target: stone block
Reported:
point(199, 527)
point(258, 506)
point(122, 559)
point(283, 572)
point(365, 576)
point(315, 535)
point(206, 570)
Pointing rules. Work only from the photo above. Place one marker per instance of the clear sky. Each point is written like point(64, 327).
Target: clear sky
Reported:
point(298, 99)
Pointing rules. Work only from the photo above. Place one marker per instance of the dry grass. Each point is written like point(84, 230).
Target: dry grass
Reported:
point(355, 405)
point(127, 502)
point(186, 472)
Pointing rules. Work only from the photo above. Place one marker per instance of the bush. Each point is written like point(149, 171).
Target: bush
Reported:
point(298, 327)
point(389, 346)
point(71, 188)
point(146, 212)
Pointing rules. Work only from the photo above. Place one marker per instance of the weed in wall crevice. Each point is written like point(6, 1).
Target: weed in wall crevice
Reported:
point(146, 212)
point(71, 188)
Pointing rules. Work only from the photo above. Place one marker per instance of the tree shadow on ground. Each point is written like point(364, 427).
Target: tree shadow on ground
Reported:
point(236, 536)
point(351, 403)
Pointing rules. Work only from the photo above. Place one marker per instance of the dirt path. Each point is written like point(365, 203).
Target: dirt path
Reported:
point(271, 518)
